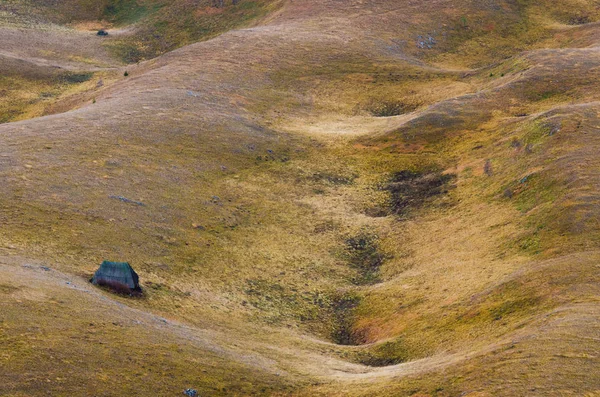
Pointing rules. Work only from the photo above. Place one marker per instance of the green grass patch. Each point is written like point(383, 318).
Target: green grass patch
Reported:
point(390, 108)
point(363, 254)
point(123, 12)
point(385, 354)
point(75, 78)
point(534, 190)
point(324, 312)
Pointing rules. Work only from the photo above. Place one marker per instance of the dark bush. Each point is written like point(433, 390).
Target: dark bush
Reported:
point(363, 254)
point(487, 168)
point(411, 189)
point(333, 178)
point(390, 108)
point(343, 306)
point(75, 78)
point(579, 20)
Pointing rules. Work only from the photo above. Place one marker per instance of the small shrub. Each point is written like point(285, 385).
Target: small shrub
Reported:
point(343, 306)
point(334, 178)
point(515, 143)
point(487, 168)
point(75, 78)
point(579, 20)
point(390, 108)
point(362, 252)
point(126, 73)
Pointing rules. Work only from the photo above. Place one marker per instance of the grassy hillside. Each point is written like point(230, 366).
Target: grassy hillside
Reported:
point(161, 27)
point(62, 36)
point(382, 198)
point(144, 29)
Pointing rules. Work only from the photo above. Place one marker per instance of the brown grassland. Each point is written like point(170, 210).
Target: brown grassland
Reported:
point(358, 198)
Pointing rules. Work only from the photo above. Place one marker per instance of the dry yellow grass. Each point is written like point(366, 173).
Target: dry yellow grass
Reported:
point(263, 159)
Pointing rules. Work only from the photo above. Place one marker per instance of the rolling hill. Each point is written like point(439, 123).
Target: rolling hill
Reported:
point(320, 197)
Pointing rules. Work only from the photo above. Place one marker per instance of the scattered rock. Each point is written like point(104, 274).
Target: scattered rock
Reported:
point(426, 42)
point(126, 200)
point(112, 163)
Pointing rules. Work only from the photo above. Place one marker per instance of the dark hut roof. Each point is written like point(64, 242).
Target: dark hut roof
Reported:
point(116, 272)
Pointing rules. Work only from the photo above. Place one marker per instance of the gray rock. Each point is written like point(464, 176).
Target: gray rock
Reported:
point(126, 200)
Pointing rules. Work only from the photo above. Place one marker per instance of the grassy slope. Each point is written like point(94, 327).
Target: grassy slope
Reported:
point(33, 83)
point(155, 27)
point(44, 63)
point(256, 231)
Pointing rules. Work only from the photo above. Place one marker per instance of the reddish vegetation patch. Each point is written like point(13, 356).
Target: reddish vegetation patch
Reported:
point(91, 25)
point(490, 26)
point(208, 11)
point(366, 147)
point(406, 147)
